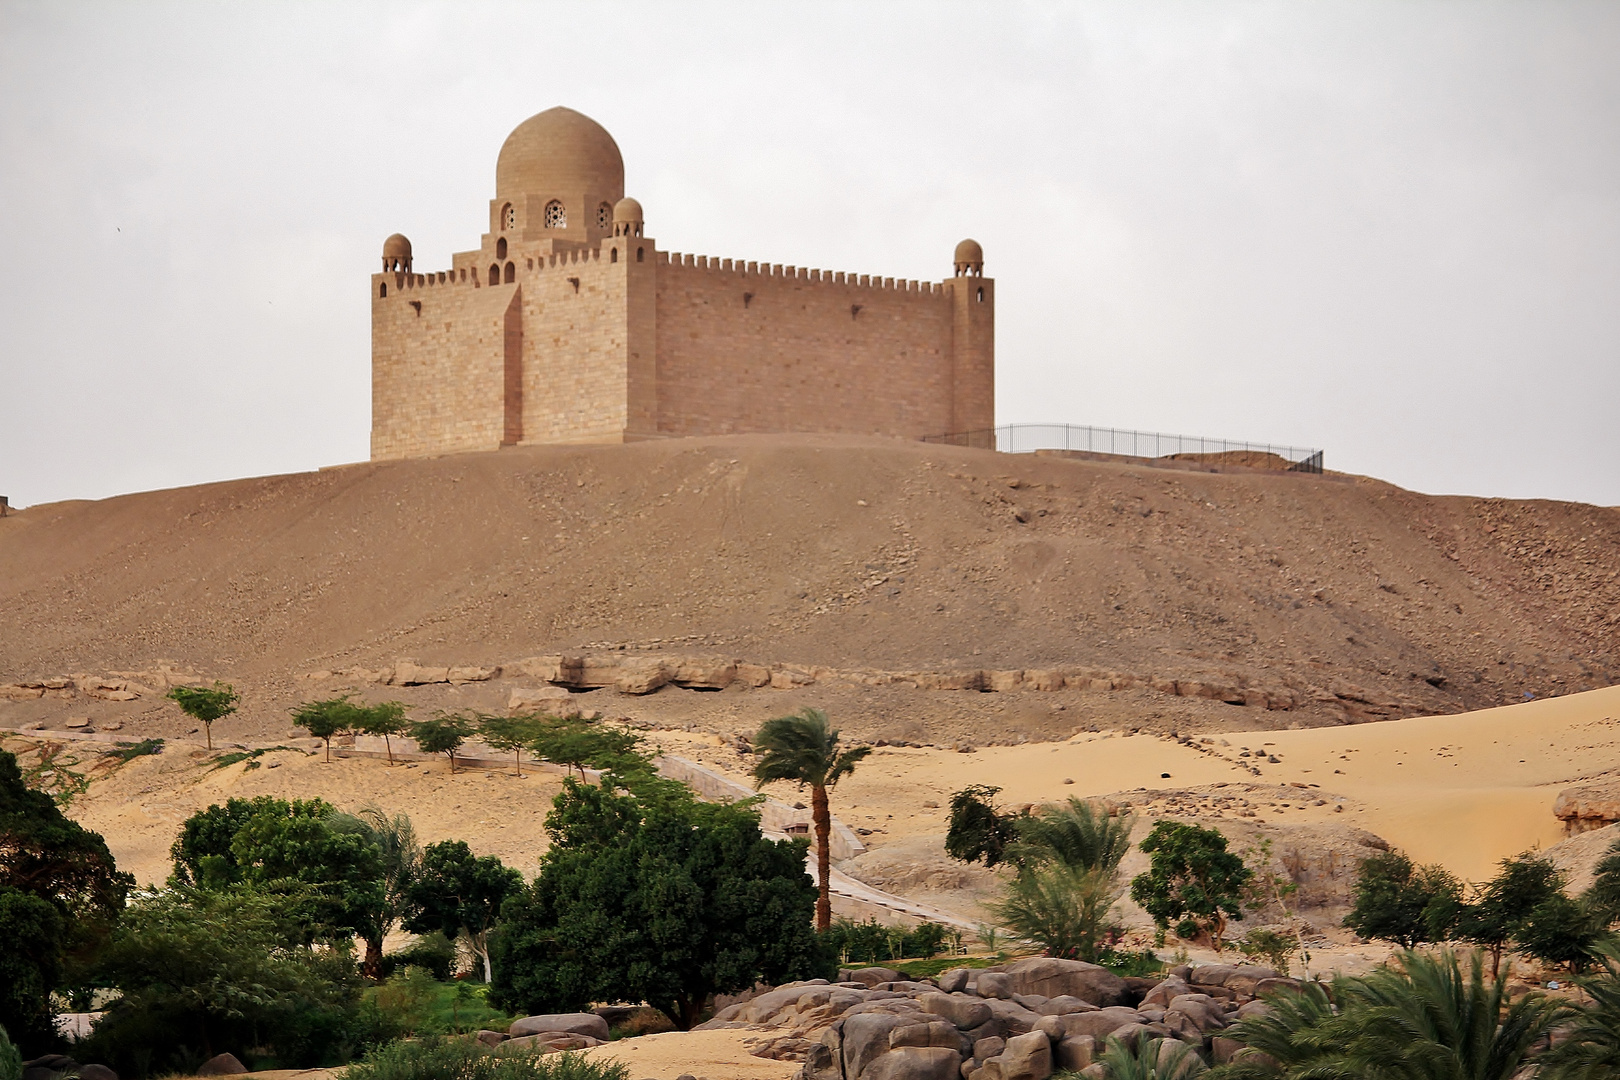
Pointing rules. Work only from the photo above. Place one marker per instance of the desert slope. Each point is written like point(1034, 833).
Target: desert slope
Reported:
point(1363, 600)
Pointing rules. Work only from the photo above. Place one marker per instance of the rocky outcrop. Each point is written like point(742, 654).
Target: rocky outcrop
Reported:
point(992, 1023)
point(1588, 807)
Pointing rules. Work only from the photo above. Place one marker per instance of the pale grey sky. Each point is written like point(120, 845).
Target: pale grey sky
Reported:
point(1391, 230)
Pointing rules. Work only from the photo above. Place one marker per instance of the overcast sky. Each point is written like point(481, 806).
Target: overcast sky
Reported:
point(1391, 230)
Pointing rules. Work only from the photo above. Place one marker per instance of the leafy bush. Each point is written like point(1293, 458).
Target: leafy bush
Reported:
point(433, 953)
point(10, 1059)
point(1129, 965)
point(464, 1059)
point(210, 970)
point(1268, 945)
point(871, 942)
point(1063, 909)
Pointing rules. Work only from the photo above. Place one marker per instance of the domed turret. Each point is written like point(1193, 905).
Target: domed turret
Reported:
point(969, 259)
point(559, 152)
point(627, 217)
point(396, 253)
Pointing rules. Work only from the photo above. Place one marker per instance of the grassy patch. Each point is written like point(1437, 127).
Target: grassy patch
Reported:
point(250, 756)
point(413, 1003)
point(127, 752)
point(927, 969)
point(54, 774)
point(463, 1059)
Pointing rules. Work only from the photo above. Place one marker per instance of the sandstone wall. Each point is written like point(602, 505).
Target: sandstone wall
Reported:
point(748, 348)
point(438, 361)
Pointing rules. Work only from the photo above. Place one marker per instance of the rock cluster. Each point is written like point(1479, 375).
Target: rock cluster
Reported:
point(1018, 1021)
point(551, 1032)
point(632, 673)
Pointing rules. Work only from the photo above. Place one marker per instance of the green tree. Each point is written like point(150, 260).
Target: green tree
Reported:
point(31, 965)
point(443, 734)
point(457, 892)
point(1561, 931)
point(328, 719)
point(202, 852)
point(803, 748)
point(206, 704)
point(511, 733)
point(205, 971)
point(47, 859)
point(1590, 1049)
point(576, 743)
point(1604, 895)
point(1402, 903)
point(387, 719)
point(978, 831)
point(1192, 880)
point(661, 900)
point(1502, 907)
point(332, 877)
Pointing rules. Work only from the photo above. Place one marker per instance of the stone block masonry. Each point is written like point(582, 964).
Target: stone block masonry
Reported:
point(568, 325)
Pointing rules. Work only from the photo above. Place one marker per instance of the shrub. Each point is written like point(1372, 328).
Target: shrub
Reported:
point(10, 1059)
point(206, 704)
point(1063, 909)
point(1268, 945)
point(464, 1059)
point(433, 953)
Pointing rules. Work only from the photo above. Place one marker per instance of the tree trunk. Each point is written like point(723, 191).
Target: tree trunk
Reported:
point(328, 743)
point(690, 1009)
point(480, 944)
point(371, 967)
point(208, 734)
point(390, 747)
point(823, 822)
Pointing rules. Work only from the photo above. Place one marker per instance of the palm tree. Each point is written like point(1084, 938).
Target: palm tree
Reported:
point(1422, 1018)
point(804, 748)
point(395, 840)
point(1080, 834)
point(1061, 908)
point(1591, 1050)
point(1153, 1059)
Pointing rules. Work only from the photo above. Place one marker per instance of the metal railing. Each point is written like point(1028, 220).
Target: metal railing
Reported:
point(1028, 438)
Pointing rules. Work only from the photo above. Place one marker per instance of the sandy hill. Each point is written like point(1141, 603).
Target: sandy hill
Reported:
point(1333, 598)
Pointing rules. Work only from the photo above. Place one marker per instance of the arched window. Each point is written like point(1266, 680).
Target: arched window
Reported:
point(511, 273)
point(500, 248)
point(494, 274)
point(556, 216)
point(604, 216)
point(384, 291)
point(640, 255)
point(508, 217)
point(981, 296)
point(611, 258)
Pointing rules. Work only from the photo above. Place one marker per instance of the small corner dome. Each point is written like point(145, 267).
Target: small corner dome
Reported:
point(969, 251)
point(560, 152)
point(628, 211)
point(397, 247)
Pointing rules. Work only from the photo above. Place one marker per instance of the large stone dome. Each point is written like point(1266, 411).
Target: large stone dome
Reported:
point(560, 151)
